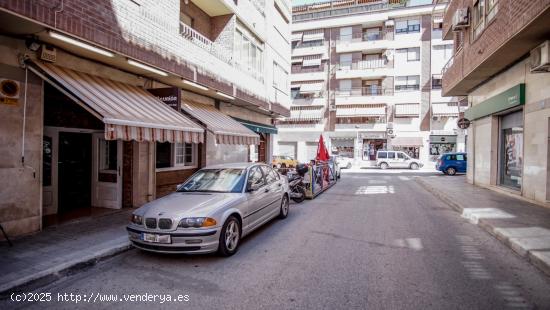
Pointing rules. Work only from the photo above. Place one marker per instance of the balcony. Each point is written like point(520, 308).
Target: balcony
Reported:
point(335, 8)
point(363, 95)
point(318, 99)
point(503, 41)
point(202, 41)
point(365, 41)
point(370, 69)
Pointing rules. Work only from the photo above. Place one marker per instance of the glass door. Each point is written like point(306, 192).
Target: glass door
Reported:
point(107, 172)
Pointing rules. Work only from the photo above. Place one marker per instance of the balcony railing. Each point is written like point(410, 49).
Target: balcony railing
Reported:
point(367, 36)
point(403, 88)
point(300, 96)
point(213, 48)
point(300, 69)
point(364, 91)
point(341, 7)
point(363, 64)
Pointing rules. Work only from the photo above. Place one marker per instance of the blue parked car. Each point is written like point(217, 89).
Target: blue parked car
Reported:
point(451, 163)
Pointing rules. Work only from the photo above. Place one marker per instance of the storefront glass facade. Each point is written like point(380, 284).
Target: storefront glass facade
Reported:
point(442, 144)
point(511, 150)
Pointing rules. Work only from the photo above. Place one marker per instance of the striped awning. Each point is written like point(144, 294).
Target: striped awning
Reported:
point(310, 87)
point(306, 113)
point(360, 111)
point(407, 109)
point(129, 112)
point(296, 36)
point(445, 109)
point(311, 62)
point(313, 36)
point(226, 129)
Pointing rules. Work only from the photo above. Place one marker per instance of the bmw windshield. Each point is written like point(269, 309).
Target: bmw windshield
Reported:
point(223, 180)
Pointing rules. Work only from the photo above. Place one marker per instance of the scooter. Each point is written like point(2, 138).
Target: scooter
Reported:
point(296, 184)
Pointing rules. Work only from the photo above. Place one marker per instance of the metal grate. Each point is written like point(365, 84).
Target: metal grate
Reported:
point(165, 223)
point(151, 223)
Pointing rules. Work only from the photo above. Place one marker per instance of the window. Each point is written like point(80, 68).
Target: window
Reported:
point(436, 81)
point(107, 155)
point(176, 155)
point(270, 175)
point(345, 61)
point(346, 33)
point(382, 155)
point(478, 18)
point(391, 155)
point(186, 19)
point(413, 54)
point(404, 83)
point(407, 26)
point(280, 78)
point(451, 157)
point(460, 157)
point(255, 177)
point(492, 9)
point(401, 156)
point(345, 86)
point(248, 54)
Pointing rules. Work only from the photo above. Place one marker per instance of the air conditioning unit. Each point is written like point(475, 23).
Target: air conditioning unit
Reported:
point(332, 107)
point(539, 59)
point(461, 19)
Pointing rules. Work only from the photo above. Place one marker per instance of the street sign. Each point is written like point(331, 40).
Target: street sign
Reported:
point(463, 123)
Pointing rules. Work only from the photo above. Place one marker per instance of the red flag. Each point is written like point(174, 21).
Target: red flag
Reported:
point(322, 152)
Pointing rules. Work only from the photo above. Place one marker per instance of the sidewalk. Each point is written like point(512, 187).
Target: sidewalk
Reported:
point(56, 251)
point(522, 226)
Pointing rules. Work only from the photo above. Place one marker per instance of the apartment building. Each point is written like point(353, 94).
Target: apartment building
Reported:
point(110, 104)
point(366, 75)
point(501, 62)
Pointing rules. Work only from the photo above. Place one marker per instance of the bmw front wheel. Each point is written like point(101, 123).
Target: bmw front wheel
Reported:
point(230, 237)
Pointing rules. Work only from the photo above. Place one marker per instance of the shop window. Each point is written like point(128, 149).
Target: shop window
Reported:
point(171, 155)
point(511, 150)
point(47, 153)
point(441, 148)
point(107, 155)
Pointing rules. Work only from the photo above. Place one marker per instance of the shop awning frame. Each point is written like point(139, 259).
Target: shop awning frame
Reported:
point(407, 141)
point(128, 112)
point(257, 127)
point(226, 129)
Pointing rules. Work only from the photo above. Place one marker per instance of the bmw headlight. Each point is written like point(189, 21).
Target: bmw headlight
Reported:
point(137, 219)
point(197, 222)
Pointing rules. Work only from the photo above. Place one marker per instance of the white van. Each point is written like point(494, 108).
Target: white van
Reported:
point(396, 159)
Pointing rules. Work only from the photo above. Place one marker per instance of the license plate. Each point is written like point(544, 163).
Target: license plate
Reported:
point(154, 238)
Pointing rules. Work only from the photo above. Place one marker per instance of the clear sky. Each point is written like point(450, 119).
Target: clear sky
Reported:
point(412, 2)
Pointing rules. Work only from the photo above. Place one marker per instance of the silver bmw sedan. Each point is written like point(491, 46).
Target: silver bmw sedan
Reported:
point(212, 210)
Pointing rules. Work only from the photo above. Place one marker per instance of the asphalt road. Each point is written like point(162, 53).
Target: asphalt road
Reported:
point(374, 241)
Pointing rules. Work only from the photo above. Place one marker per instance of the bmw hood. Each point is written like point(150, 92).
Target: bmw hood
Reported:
point(187, 204)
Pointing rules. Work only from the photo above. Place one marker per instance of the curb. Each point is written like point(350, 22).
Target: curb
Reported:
point(67, 268)
point(540, 259)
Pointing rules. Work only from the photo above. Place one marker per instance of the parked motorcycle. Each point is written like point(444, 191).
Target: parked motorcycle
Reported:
point(296, 183)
